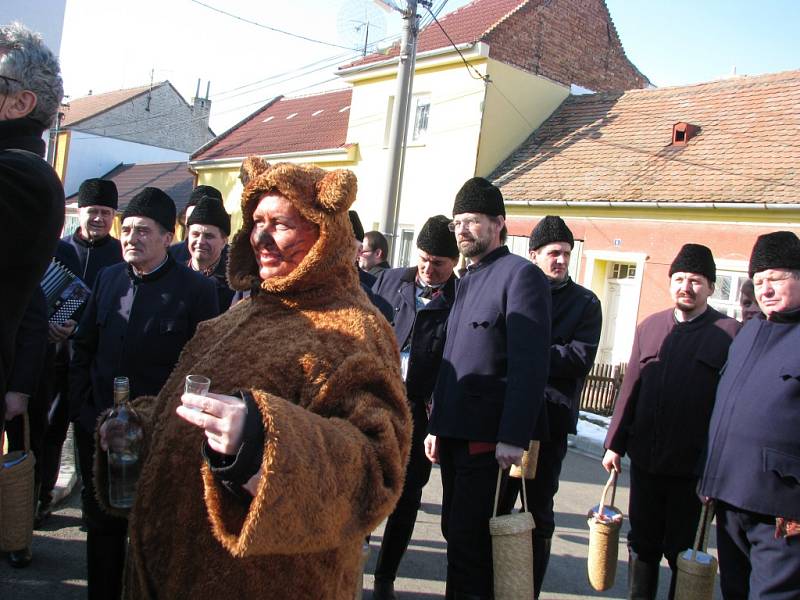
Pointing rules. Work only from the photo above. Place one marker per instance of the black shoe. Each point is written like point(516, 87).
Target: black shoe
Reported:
point(383, 590)
point(44, 510)
point(19, 559)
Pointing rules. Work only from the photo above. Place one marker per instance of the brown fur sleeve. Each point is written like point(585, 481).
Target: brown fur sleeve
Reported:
point(331, 471)
point(145, 408)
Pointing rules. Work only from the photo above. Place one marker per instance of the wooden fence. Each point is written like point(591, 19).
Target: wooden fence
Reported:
point(601, 388)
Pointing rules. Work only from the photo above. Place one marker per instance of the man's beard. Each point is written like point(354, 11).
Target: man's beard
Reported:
point(473, 247)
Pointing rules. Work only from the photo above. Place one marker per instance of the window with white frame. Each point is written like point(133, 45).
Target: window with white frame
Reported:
point(727, 290)
point(404, 257)
point(418, 118)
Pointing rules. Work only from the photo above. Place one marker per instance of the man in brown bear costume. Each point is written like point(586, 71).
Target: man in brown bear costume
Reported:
point(322, 425)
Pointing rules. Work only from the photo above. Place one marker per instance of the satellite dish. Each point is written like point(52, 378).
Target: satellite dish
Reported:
point(361, 23)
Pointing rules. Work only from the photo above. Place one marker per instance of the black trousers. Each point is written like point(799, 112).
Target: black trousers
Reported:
point(106, 536)
point(57, 371)
point(400, 525)
point(664, 512)
point(752, 563)
point(469, 479)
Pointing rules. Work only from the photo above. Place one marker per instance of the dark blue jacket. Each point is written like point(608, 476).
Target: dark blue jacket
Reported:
point(180, 252)
point(68, 256)
point(662, 413)
point(494, 369)
point(753, 458)
point(575, 335)
point(423, 330)
point(94, 255)
point(135, 327)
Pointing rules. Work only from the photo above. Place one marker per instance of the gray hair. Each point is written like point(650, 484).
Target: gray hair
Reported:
point(34, 67)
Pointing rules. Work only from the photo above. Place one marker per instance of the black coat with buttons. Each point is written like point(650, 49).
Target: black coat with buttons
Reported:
point(422, 330)
point(135, 327)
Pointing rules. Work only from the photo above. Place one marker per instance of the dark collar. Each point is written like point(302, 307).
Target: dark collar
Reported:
point(786, 316)
point(89, 243)
point(557, 288)
point(165, 268)
point(489, 259)
point(22, 134)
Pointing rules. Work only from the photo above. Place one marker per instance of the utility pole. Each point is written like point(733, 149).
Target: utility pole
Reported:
point(400, 115)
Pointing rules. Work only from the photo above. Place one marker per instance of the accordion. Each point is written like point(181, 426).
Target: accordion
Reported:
point(64, 291)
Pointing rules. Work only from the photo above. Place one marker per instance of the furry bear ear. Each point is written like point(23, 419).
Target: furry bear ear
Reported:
point(252, 166)
point(336, 191)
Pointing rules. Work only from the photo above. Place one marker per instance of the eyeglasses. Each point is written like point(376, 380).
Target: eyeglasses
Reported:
point(469, 223)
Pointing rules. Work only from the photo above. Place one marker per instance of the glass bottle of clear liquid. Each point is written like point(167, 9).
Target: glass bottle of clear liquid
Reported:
point(124, 435)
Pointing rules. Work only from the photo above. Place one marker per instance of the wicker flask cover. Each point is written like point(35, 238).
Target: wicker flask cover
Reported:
point(16, 496)
point(604, 541)
point(530, 459)
point(697, 569)
point(512, 550)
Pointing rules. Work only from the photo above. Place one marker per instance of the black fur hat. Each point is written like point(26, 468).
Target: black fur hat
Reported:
point(548, 230)
point(98, 192)
point(436, 239)
point(203, 191)
point(210, 211)
point(776, 250)
point(478, 195)
point(152, 203)
point(695, 258)
point(355, 222)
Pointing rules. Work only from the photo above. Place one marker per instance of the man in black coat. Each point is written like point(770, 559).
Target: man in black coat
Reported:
point(138, 318)
point(31, 195)
point(92, 240)
point(180, 250)
point(489, 394)
point(753, 464)
point(421, 298)
point(575, 335)
point(662, 414)
point(209, 226)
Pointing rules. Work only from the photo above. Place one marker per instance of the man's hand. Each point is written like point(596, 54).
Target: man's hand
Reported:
point(58, 333)
point(508, 455)
point(16, 404)
point(612, 460)
point(432, 448)
point(222, 417)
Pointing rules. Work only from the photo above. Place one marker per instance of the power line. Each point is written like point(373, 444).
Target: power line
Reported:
point(268, 27)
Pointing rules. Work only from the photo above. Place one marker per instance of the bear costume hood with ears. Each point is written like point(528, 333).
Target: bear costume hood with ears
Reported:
point(320, 196)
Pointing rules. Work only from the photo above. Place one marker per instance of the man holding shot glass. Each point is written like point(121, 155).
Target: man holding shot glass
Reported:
point(140, 314)
point(266, 486)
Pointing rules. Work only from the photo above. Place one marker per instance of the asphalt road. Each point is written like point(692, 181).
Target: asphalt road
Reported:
point(59, 567)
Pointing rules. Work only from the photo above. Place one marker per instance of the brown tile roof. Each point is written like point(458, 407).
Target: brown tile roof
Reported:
point(465, 25)
point(304, 124)
point(174, 178)
point(617, 146)
point(89, 106)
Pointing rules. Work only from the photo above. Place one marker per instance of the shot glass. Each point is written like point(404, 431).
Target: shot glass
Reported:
point(197, 384)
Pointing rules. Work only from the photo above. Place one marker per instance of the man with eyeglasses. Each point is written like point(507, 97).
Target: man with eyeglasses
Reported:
point(31, 195)
point(373, 254)
point(489, 396)
point(753, 466)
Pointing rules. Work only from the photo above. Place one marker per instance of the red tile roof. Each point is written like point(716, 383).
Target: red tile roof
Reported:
point(89, 106)
point(174, 178)
point(304, 124)
point(465, 25)
point(617, 146)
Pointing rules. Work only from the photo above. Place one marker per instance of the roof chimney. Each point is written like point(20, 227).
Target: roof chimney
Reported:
point(683, 132)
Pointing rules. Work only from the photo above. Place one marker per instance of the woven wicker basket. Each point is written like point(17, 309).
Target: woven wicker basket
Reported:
point(604, 540)
point(697, 569)
point(530, 459)
point(16, 496)
point(512, 550)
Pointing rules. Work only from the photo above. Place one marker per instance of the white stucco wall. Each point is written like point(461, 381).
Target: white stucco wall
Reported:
point(94, 156)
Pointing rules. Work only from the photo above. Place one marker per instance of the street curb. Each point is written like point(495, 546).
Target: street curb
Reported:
point(67, 474)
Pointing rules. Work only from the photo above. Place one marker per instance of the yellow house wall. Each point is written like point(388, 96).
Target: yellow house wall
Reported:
point(62, 149)
point(517, 103)
point(435, 167)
